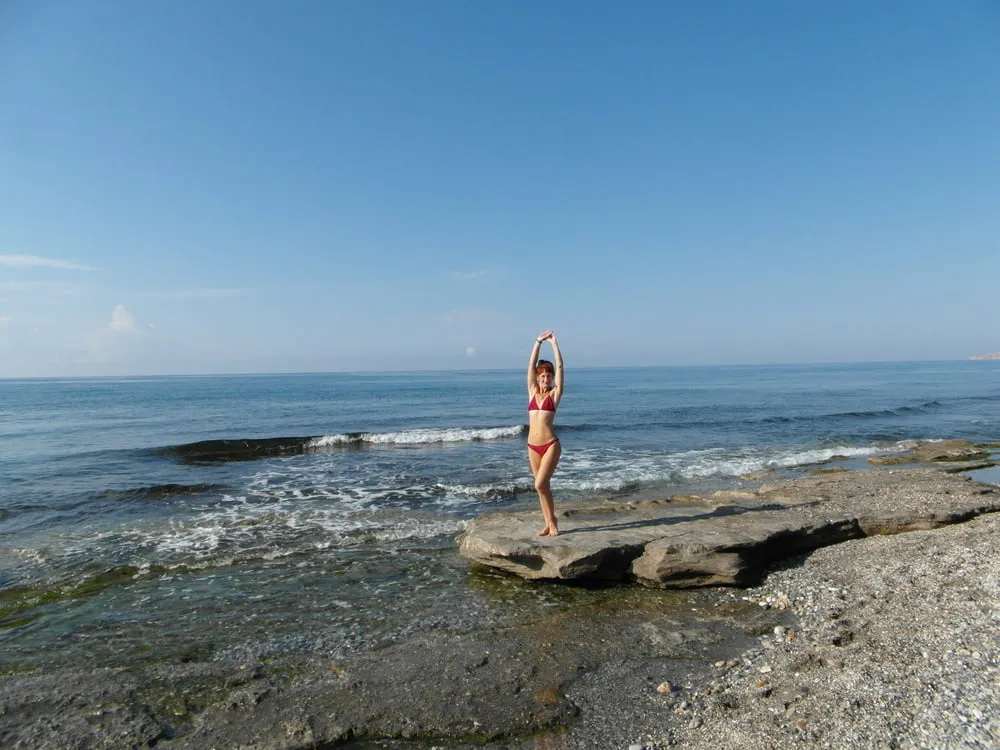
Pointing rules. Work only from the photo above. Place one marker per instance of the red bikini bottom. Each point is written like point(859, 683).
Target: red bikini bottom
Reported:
point(541, 449)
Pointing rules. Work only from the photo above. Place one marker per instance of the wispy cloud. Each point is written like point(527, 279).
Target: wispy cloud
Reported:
point(5, 318)
point(33, 261)
point(213, 292)
point(468, 277)
point(45, 288)
point(121, 320)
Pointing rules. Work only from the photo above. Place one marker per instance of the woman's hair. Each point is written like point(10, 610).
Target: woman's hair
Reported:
point(543, 366)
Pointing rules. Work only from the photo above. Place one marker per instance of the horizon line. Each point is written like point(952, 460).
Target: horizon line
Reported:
point(485, 369)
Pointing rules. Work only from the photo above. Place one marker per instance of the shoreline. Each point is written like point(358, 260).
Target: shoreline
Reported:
point(884, 639)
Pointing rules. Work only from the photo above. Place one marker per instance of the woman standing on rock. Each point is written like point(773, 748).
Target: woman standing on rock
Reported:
point(545, 389)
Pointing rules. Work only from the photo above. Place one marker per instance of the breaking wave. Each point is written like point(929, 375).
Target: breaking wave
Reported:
point(250, 449)
point(417, 437)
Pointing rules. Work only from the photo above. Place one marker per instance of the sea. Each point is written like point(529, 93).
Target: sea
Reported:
point(215, 517)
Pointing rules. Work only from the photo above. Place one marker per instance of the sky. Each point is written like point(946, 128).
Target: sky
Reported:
point(244, 186)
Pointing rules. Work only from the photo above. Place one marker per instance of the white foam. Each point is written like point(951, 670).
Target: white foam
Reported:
point(283, 512)
point(460, 494)
point(590, 471)
point(417, 437)
point(825, 454)
point(266, 531)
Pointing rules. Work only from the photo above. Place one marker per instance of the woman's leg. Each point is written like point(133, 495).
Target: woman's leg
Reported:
point(543, 467)
point(535, 461)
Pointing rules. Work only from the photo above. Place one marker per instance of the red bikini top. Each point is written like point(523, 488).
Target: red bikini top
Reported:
point(547, 404)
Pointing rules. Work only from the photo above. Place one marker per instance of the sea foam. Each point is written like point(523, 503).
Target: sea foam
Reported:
point(417, 437)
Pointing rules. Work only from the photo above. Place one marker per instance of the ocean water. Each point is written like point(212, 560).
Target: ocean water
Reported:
point(207, 517)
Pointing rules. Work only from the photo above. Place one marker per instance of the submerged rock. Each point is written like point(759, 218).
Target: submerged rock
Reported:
point(938, 451)
point(701, 542)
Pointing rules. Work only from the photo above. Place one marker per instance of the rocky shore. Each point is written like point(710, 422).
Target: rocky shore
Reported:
point(875, 641)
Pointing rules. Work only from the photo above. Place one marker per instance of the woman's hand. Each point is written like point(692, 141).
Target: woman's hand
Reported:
point(546, 334)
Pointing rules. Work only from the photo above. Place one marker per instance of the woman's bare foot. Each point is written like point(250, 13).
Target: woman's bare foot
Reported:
point(553, 531)
point(545, 532)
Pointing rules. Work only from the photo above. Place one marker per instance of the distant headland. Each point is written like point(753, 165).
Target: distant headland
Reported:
point(994, 355)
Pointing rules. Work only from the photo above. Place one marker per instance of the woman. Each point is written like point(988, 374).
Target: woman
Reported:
point(545, 389)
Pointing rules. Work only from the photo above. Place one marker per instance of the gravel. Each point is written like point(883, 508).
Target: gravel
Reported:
point(893, 642)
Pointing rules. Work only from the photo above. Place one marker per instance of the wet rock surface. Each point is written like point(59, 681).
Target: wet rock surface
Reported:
point(936, 451)
point(457, 688)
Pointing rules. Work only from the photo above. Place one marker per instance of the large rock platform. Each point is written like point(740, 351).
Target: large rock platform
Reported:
point(726, 538)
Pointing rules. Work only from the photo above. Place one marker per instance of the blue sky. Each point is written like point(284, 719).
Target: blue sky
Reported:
point(245, 186)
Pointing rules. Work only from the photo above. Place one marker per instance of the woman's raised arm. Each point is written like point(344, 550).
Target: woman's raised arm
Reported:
point(559, 364)
point(533, 360)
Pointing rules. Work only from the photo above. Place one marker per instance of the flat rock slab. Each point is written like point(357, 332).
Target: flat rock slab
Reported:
point(937, 451)
point(727, 538)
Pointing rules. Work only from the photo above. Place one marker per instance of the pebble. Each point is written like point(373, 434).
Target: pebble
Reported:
point(665, 688)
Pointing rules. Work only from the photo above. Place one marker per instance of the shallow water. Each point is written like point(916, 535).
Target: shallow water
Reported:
point(989, 476)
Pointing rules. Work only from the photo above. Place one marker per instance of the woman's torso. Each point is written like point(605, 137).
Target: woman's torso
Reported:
point(541, 417)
